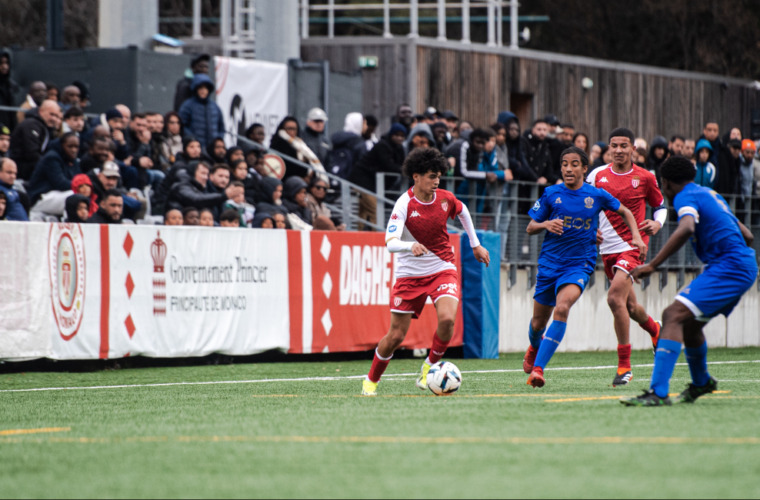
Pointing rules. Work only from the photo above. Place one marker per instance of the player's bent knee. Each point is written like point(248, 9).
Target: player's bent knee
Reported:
point(561, 312)
point(676, 313)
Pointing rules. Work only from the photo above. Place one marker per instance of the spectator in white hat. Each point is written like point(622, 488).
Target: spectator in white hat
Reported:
point(314, 134)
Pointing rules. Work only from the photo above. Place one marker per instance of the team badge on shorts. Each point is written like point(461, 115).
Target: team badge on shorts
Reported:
point(397, 301)
point(635, 181)
point(589, 202)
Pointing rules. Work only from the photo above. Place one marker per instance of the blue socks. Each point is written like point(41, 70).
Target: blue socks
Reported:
point(550, 343)
point(697, 359)
point(664, 362)
point(535, 337)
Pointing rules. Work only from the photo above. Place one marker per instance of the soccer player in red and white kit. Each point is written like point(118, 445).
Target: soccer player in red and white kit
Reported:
point(634, 187)
point(425, 263)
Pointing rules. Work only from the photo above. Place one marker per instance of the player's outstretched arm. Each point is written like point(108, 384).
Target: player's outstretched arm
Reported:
point(684, 231)
point(746, 233)
point(553, 226)
point(631, 223)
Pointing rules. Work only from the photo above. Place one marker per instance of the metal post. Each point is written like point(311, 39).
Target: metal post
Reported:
point(513, 24)
point(55, 25)
point(465, 21)
point(387, 19)
point(236, 24)
point(491, 28)
point(304, 19)
point(197, 20)
point(331, 19)
point(441, 19)
point(224, 27)
point(414, 28)
point(499, 25)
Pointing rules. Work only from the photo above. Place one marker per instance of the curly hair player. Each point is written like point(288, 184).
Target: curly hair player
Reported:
point(425, 263)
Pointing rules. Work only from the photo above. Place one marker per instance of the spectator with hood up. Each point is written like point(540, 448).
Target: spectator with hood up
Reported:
point(201, 117)
point(77, 210)
point(294, 200)
point(658, 153)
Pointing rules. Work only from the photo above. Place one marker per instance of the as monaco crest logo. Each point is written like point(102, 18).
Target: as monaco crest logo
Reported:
point(445, 205)
point(67, 277)
point(635, 181)
point(397, 301)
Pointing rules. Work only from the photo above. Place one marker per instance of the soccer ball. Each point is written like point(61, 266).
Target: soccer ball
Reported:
point(444, 378)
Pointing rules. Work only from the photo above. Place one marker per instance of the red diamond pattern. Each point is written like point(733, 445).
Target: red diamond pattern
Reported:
point(129, 285)
point(128, 244)
point(130, 326)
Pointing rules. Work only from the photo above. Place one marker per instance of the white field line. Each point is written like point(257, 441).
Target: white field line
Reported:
point(345, 377)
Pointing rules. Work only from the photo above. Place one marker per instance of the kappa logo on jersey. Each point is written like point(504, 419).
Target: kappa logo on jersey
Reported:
point(558, 200)
point(450, 288)
point(537, 205)
point(394, 217)
point(445, 205)
point(415, 214)
point(589, 202)
point(603, 179)
point(635, 181)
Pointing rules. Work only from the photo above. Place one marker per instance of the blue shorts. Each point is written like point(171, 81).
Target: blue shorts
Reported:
point(549, 281)
point(717, 290)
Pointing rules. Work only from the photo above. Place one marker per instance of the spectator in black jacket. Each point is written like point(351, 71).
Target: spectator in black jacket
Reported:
point(538, 153)
point(314, 134)
point(50, 184)
point(110, 209)
point(386, 156)
point(31, 138)
point(193, 191)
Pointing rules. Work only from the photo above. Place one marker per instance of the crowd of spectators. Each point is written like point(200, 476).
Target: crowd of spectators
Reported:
point(56, 164)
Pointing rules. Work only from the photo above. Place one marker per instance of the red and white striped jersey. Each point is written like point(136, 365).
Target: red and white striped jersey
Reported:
point(425, 223)
point(634, 189)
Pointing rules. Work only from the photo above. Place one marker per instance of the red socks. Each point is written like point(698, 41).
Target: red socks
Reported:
point(438, 349)
point(378, 367)
point(650, 326)
point(624, 358)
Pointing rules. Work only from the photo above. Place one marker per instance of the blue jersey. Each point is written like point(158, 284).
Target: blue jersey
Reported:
point(579, 209)
point(717, 238)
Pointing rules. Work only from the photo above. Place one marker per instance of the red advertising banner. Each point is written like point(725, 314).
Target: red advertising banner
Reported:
point(349, 277)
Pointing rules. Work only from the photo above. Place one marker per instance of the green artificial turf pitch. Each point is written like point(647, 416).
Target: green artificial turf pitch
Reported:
point(271, 430)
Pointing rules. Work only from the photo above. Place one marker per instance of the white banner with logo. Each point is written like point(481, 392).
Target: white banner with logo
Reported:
point(250, 92)
point(73, 291)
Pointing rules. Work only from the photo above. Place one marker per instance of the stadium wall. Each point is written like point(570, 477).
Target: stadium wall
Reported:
point(590, 326)
point(70, 291)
